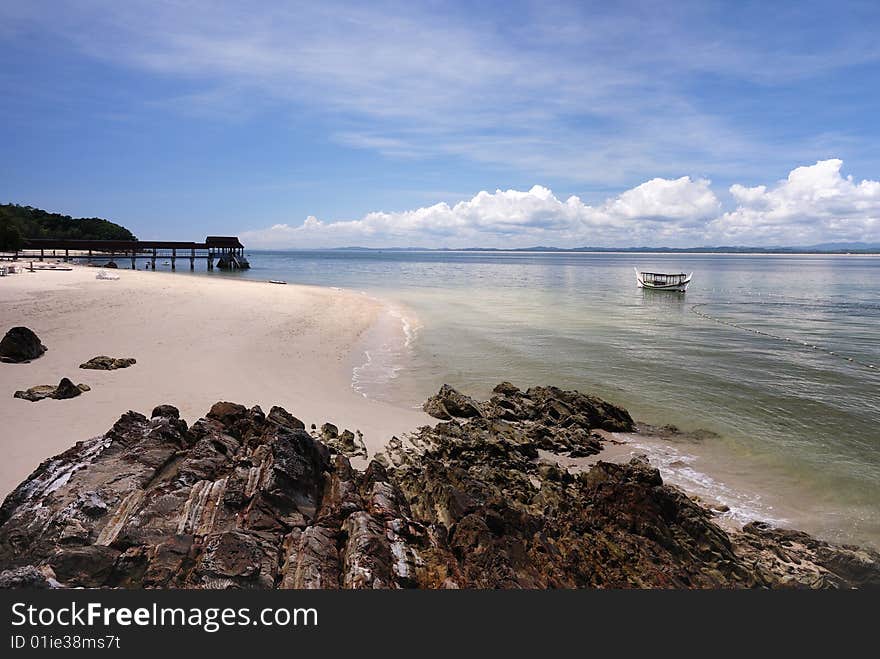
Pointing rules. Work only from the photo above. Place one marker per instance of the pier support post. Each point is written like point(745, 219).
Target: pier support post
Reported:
point(153, 260)
point(173, 258)
point(42, 255)
point(66, 255)
point(133, 264)
point(192, 259)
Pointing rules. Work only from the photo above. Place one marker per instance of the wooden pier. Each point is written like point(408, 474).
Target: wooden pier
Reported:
point(226, 252)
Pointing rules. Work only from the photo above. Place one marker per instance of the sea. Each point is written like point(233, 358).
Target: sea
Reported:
point(769, 365)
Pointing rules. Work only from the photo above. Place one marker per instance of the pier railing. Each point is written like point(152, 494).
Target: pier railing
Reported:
point(226, 252)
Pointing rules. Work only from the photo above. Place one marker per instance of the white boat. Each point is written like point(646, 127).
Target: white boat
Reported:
point(660, 281)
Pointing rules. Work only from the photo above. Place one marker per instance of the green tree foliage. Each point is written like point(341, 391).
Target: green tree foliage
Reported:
point(11, 239)
point(22, 222)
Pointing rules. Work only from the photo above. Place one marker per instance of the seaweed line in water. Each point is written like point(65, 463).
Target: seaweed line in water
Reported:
point(805, 344)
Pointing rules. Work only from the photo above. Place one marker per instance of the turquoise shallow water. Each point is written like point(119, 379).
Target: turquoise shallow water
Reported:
point(798, 420)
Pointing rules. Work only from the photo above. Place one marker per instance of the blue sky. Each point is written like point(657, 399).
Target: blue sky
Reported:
point(447, 124)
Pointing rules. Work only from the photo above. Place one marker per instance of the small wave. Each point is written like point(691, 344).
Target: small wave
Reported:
point(678, 468)
point(389, 348)
point(409, 325)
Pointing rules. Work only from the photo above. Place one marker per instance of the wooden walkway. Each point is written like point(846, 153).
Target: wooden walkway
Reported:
point(226, 252)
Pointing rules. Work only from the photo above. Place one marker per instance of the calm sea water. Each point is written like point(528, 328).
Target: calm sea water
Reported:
point(772, 354)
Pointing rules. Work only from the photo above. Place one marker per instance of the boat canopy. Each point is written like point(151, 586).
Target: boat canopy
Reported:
point(663, 278)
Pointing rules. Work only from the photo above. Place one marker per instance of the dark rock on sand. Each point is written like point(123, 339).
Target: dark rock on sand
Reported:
point(64, 389)
point(450, 403)
point(20, 345)
point(104, 363)
point(241, 500)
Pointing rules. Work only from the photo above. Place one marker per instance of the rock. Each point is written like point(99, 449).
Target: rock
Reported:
point(246, 500)
point(282, 417)
point(20, 345)
point(796, 559)
point(104, 363)
point(506, 389)
point(36, 393)
point(65, 389)
point(435, 408)
point(347, 443)
point(167, 411)
point(227, 413)
point(29, 577)
point(450, 403)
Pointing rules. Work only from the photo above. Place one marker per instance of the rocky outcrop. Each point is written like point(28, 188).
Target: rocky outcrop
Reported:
point(242, 499)
point(104, 363)
point(558, 407)
point(20, 345)
point(346, 443)
point(64, 389)
point(794, 558)
point(449, 403)
point(552, 419)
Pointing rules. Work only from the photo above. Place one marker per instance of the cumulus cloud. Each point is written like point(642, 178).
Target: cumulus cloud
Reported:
point(814, 204)
point(659, 207)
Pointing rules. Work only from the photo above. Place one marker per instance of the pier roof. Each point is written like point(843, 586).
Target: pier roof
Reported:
point(223, 241)
point(129, 245)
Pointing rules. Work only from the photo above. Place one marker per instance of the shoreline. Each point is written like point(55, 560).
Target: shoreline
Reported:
point(261, 345)
point(242, 499)
point(327, 340)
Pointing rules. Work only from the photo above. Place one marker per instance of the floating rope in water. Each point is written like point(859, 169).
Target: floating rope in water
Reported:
point(715, 319)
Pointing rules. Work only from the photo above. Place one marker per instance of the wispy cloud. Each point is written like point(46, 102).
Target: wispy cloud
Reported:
point(572, 93)
point(814, 204)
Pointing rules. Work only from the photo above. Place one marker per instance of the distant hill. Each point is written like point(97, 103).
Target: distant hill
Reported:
point(18, 223)
point(824, 248)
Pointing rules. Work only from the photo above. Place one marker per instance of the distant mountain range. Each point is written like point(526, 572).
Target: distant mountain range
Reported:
point(822, 248)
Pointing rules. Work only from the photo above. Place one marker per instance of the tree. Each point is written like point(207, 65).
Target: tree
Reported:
point(35, 223)
point(11, 239)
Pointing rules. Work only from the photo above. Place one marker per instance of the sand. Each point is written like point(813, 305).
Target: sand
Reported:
point(197, 340)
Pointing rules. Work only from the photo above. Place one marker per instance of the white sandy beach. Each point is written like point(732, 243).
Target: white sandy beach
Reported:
point(197, 340)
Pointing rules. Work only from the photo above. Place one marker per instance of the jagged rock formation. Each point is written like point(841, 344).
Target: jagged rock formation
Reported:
point(346, 443)
point(64, 389)
point(105, 363)
point(247, 500)
point(20, 345)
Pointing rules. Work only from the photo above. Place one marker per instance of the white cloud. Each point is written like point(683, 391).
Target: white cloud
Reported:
point(657, 208)
point(814, 204)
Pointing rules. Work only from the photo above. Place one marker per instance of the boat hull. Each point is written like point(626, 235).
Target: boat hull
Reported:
point(675, 288)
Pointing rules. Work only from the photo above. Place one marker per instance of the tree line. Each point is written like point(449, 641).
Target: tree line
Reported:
point(19, 223)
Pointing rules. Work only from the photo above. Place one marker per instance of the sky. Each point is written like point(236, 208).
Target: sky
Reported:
point(447, 124)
